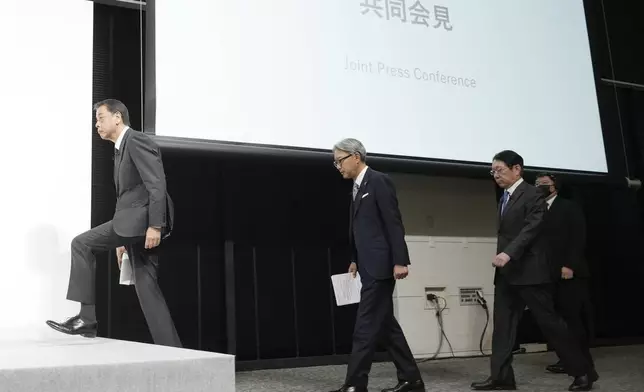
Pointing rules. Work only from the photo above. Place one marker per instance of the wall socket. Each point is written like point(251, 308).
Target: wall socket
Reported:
point(430, 292)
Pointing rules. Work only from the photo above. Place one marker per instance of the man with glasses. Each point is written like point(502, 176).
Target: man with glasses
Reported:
point(379, 252)
point(522, 277)
point(565, 231)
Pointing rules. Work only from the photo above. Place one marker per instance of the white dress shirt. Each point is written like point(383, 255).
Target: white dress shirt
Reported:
point(549, 201)
point(358, 180)
point(117, 143)
point(514, 186)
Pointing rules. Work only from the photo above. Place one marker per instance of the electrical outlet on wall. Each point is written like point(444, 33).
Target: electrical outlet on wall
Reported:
point(431, 297)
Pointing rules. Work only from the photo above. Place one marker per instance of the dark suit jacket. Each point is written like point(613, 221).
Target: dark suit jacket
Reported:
point(142, 200)
point(519, 236)
point(376, 228)
point(565, 233)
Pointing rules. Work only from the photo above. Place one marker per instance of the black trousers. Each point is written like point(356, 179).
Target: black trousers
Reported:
point(572, 302)
point(144, 264)
point(375, 323)
point(509, 303)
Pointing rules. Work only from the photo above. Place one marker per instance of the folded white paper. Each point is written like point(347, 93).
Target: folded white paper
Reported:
point(346, 288)
point(127, 276)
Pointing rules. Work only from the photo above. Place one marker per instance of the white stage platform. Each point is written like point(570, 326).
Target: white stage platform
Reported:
point(70, 364)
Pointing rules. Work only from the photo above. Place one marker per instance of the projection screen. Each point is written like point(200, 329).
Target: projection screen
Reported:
point(448, 80)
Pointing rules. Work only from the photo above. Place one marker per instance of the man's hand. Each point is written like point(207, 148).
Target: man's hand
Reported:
point(501, 260)
point(400, 271)
point(152, 238)
point(566, 273)
point(352, 269)
point(119, 255)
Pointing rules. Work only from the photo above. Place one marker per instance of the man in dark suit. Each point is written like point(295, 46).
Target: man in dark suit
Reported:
point(144, 215)
point(565, 231)
point(522, 277)
point(379, 253)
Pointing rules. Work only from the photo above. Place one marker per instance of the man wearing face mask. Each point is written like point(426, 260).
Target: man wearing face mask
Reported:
point(565, 233)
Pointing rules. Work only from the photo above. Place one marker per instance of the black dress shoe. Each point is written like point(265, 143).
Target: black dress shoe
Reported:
point(593, 376)
point(557, 368)
point(67, 324)
point(407, 386)
point(581, 383)
point(75, 326)
point(492, 385)
point(351, 388)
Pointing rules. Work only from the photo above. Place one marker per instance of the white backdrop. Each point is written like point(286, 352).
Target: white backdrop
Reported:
point(451, 79)
point(46, 97)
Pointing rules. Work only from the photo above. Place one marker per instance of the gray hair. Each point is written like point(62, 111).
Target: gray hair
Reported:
point(352, 146)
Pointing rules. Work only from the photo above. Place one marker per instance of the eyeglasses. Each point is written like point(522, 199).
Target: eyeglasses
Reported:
point(548, 179)
point(338, 163)
point(502, 170)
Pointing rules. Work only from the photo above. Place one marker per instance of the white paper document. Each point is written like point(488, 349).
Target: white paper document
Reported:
point(127, 274)
point(346, 288)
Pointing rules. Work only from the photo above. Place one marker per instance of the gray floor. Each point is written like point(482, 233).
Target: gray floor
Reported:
point(620, 369)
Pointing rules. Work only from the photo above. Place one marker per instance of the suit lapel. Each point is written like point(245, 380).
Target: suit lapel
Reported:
point(119, 158)
point(516, 195)
point(498, 212)
point(361, 192)
point(554, 204)
point(117, 162)
point(351, 220)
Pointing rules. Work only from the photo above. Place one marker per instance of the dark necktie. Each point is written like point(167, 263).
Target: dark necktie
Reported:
point(504, 201)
